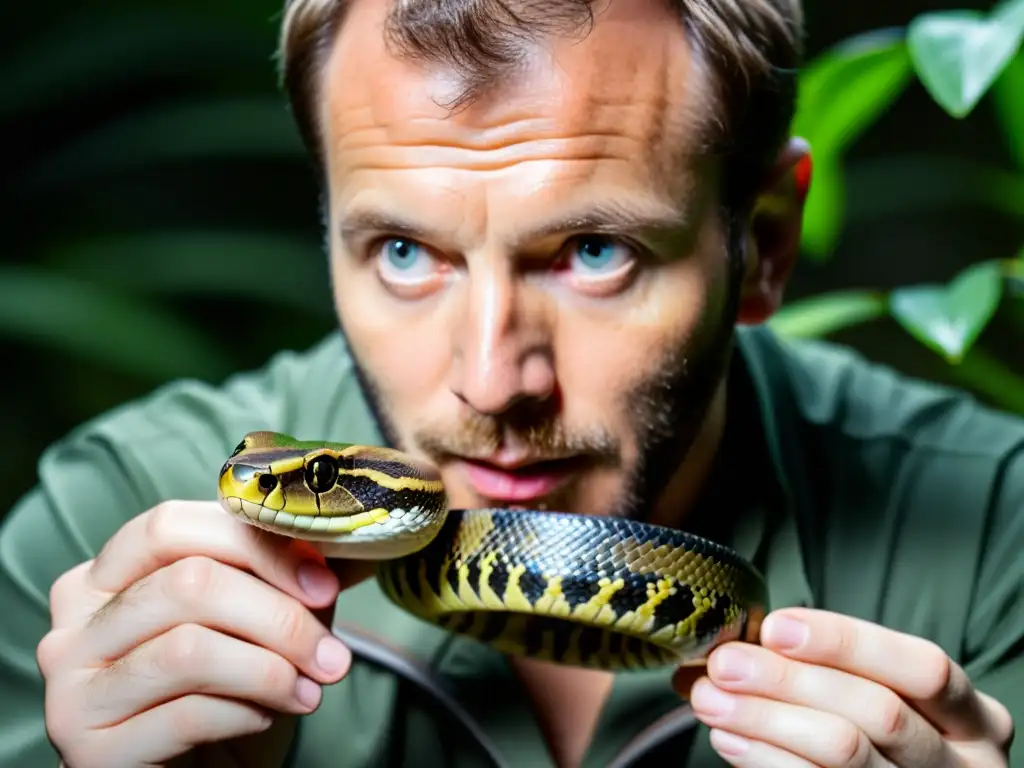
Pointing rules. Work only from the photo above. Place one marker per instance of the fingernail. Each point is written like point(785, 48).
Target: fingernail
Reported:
point(332, 656)
point(732, 664)
point(317, 581)
point(307, 692)
point(710, 700)
point(728, 744)
point(784, 632)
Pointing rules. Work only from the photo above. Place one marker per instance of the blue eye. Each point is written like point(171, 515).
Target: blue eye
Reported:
point(401, 254)
point(599, 253)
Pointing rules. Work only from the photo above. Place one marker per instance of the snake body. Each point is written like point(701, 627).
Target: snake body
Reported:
point(588, 591)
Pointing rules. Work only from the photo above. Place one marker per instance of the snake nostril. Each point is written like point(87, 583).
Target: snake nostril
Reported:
point(267, 483)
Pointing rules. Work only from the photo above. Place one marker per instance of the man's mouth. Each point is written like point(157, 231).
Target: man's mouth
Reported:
point(520, 484)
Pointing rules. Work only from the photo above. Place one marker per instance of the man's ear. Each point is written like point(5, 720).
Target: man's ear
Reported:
point(773, 233)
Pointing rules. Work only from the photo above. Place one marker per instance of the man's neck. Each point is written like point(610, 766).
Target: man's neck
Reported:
point(687, 484)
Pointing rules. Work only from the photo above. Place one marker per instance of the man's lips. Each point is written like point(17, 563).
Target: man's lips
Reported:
point(524, 483)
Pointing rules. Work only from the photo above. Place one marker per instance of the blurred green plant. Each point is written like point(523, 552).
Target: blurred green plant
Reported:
point(959, 57)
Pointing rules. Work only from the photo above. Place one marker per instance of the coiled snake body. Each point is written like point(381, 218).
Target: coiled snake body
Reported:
point(574, 589)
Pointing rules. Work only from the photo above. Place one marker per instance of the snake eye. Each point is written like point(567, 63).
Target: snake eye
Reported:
point(267, 483)
point(321, 474)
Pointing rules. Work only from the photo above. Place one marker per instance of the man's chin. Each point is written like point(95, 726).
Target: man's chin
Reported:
point(570, 503)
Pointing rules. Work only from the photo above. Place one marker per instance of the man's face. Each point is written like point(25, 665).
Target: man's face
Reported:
point(534, 288)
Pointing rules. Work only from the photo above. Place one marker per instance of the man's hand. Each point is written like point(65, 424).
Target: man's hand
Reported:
point(827, 690)
point(189, 630)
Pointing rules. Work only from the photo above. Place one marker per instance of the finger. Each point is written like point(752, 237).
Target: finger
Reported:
point(887, 720)
point(821, 738)
point(159, 735)
point(71, 600)
point(741, 752)
point(349, 573)
point(193, 659)
point(915, 668)
point(178, 529)
point(198, 590)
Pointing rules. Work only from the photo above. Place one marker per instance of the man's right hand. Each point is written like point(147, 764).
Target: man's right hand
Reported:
point(189, 629)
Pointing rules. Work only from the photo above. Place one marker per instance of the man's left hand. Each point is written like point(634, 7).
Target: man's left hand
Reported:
point(828, 690)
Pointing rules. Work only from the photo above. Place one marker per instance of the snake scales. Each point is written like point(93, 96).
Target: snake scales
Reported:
point(587, 591)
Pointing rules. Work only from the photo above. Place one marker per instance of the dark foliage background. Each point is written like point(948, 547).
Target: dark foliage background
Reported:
point(161, 219)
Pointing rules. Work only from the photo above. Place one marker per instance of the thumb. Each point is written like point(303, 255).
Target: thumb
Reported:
point(349, 573)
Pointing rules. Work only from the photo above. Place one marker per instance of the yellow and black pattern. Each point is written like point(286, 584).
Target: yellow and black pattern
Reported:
point(586, 591)
point(369, 502)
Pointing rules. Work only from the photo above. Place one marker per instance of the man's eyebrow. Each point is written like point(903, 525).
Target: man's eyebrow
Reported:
point(359, 222)
point(598, 219)
point(612, 219)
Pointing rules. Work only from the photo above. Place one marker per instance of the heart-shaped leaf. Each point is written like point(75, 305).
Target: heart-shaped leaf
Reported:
point(841, 93)
point(820, 315)
point(949, 318)
point(959, 54)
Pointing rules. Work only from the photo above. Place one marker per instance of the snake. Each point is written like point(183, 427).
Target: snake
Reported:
point(601, 592)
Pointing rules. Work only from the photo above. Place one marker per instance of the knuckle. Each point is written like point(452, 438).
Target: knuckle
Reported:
point(191, 580)
point(1003, 726)
point(49, 652)
point(292, 625)
point(279, 676)
point(892, 717)
point(937, 671)
point(186, 723)
point(850, 747)
point(160, 521)
point(65, 590)
point(843, 641)
point(182, 650)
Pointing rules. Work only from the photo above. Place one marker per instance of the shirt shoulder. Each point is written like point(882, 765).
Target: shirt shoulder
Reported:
point(168, 445)
point(909, 494)
point(171, 444)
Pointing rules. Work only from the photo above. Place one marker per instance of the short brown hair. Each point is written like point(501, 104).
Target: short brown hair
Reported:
point(754, 48)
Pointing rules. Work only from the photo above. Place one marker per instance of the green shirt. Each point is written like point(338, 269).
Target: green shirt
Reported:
point(862, 492)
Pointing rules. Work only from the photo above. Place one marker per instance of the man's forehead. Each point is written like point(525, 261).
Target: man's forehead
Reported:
point(632, 73)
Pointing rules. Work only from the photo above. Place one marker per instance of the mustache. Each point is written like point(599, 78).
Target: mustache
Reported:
point(479, 436)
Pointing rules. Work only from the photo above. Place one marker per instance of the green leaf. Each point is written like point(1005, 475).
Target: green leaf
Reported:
point(959, 54)
point(264, 267)
point(841, 94)
point(105, 327)
point(1008, 101)
point(949, 319)
point(825, 210)
point(820, 315)
point(843, 91)
point(227, 128)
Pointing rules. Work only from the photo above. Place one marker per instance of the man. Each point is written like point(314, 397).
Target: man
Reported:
point(544, 228)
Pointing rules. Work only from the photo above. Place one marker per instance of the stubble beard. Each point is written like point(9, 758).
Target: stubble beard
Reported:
point(668, 408)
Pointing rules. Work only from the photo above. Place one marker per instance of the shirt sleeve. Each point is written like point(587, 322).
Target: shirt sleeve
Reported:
point(168, 445)
point(994, 635)
point(81, 499)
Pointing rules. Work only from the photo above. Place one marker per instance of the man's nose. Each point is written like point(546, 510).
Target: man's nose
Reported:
point(502, 347)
